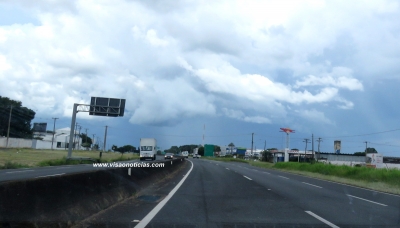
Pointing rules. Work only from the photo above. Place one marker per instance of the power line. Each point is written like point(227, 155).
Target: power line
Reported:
point(374, 133)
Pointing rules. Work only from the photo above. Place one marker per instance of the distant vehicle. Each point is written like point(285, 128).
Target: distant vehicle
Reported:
point(148, 148)
point(169, 156)
point(196, 153)
point(185, 154)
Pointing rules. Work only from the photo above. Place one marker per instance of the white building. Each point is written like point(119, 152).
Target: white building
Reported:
point(61, 140)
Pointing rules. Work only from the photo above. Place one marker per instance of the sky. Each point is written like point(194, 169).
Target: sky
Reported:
point(222, 69)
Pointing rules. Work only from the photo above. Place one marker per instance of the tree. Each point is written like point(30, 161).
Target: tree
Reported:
point(370, 150)
point(231, 146)
point(21, 117)
point(359, 153)
point(201, 151)
point(86, 141)
point(217, 149)
point(123, 149)
point(266, 155)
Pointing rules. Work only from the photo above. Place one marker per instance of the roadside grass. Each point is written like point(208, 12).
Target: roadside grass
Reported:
point(22, 158)
point(369, 175)
point(12, 165)
point(384, 180)
point(228, 159)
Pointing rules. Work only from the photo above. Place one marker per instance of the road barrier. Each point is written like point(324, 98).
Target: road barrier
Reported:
point(61, 201)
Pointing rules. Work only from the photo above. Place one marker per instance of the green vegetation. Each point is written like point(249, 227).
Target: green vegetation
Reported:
point(20, 126)
point(12, 165)
point(227, 159)
point(22, 158)
point(369, 175)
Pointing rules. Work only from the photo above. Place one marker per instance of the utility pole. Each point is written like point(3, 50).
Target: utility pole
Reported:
point(105, 140)
point(252, 135)
point(93, 141)
point(319, 140)
point(366, 147)
point(265, 144)
point(86, 135)
point(312, 145)
point(305, 150)
point(9, 123)
point(204, 129)
point(54, 131)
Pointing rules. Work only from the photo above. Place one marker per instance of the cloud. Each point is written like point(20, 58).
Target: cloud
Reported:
point(315, 116)
point(239, 115)
point(340, 78)
point(187, 59)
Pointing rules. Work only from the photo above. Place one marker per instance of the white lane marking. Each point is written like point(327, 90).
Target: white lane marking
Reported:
point(227, 168)
point(368, 200)
point(30, 170)
point(283, 177)
point(322, 219)
point(311, 184)
point(52, 175)
point(136, 220)
point(143, 223)
point(248, 178)
point(269, 189)
point(267, 172)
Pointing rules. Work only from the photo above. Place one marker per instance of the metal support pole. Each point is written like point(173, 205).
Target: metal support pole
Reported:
point(105, 141)
point(72, 132)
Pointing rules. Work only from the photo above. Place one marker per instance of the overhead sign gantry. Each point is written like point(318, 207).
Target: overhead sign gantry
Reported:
point(99, 106)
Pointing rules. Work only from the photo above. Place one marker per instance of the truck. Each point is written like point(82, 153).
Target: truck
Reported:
point(196, 153)
point(185, 154)
point(148, 148)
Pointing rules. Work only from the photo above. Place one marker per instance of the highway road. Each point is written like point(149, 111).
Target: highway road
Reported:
point(39, 172)
point(220, 194)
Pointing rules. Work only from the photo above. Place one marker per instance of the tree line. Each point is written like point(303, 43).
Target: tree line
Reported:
point(21, 117)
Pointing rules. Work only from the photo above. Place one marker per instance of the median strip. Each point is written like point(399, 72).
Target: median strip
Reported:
point(367, 200)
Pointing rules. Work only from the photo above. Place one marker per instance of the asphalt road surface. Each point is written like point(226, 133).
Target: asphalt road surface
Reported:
point(220, 194)
point(39, 172)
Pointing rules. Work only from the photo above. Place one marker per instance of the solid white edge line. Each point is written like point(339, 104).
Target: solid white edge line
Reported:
point(322, 219)
point(247, 177)
point(143, 223)
point(30, 170)
point(368, 200)
point(312, 185)
point(283, 177)
point(52, 175)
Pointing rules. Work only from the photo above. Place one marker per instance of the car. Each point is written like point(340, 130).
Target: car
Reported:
point(196, 155)
point(169, 156)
